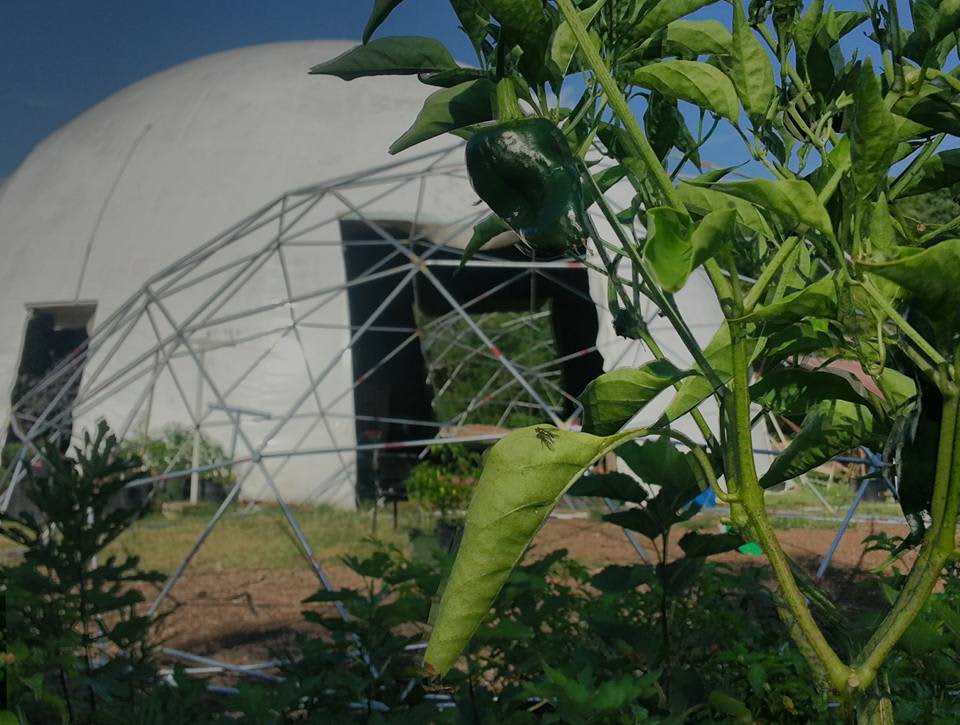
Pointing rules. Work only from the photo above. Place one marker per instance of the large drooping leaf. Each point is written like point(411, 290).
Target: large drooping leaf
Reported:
point(750, 68)
point(612, 399)
point(938, 172)
point(698, 83)
point(701, 199)
point(400, 55)
point(687, 38)
point(872, 144)
point(617, 486)
point(664, 12)
point(564, 44)
point(791, 199)
point(449, 109)
point(831, 428)
point(381, 9)
point(675, 247)
point(524, 476)
point(793, 391)
point(819, 299)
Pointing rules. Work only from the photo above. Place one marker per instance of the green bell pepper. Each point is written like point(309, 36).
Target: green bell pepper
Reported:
point(526, 173)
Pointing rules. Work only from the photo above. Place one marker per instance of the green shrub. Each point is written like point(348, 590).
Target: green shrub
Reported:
point(444, 482)
point(77, 646)
point(173, 451)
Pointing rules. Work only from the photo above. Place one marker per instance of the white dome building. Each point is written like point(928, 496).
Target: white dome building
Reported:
point(293, 336)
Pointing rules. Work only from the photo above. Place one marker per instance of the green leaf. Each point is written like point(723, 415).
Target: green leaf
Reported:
point(655, 519)
point(695, 390)
point(750, 67)
point(515, 14)
point(700, 37)
point(938, 172)
point(726, 705)
point(381, 9)
point(665, 12)
point(485, 231)
point(701, 199)
point(666, 128)
point(400, 55)
point(525, 475)
point(618, 578)
point(449, 109)
point(792, 199)
point(932, 277)
point(564, 44)
point(881, 233)
point(474, 20)
point(831, 428)
point(917, 441)
point(617, 486)
point(872, 143)
point(699, 545)
point(659, 462)
point(793, 391)
point(612, 399)
point(933, 21)
point(698, 83)
point(450, 78)
point(674, 250)
point(687, 38)
point(806, 27)
point(818, 299)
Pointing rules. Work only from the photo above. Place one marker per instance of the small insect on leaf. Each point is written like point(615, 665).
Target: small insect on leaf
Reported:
point(546, 437)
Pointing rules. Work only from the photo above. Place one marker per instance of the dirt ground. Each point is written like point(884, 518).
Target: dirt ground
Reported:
point(253, 615)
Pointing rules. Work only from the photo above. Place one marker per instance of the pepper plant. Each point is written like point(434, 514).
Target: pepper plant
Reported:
point(839, 269)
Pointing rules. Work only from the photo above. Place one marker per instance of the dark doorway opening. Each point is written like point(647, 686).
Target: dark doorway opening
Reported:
point(393, 395)
point(54, 335)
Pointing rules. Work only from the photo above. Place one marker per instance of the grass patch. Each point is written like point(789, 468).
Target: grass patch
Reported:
point(260, 539)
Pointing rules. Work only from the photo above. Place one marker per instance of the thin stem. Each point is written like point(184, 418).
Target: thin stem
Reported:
point(669, 311)
point(618, 103)
point(915, 166)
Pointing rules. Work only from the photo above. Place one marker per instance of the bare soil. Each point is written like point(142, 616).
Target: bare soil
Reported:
point(254, 615)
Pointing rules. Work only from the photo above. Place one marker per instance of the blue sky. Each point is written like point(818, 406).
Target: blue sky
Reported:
point(59, 57)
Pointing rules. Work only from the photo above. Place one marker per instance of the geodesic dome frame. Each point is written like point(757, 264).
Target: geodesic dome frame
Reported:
point(172, 352)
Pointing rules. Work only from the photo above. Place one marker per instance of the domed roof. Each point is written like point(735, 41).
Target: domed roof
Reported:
point(154, 170)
